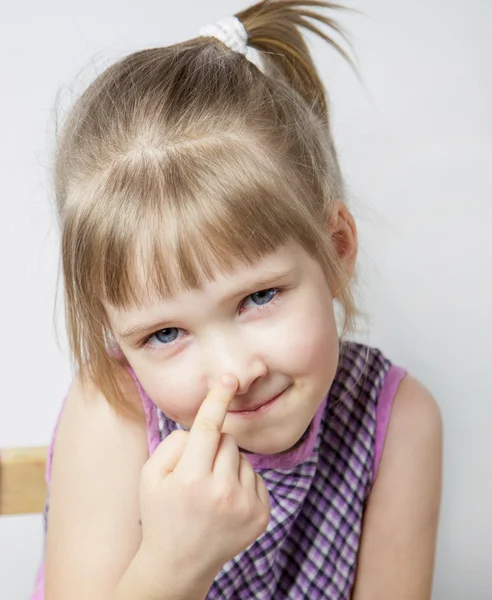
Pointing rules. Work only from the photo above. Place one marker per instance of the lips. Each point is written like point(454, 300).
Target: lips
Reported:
point(256, 405)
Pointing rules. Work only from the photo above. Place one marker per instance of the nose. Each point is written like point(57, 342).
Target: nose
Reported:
point(231, 353)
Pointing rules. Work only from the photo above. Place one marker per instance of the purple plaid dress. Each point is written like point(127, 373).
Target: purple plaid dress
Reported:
point(317, 491)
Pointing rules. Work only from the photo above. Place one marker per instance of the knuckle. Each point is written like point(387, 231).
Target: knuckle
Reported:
point(247, 510)
point(263, 519)
point(190, 482)
point(225, 494)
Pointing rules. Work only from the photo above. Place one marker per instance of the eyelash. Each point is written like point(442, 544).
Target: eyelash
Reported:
point(148, 347)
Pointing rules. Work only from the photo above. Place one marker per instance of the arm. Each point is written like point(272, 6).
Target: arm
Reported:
point(396, 557)
point(118, 518)
point(94, 530)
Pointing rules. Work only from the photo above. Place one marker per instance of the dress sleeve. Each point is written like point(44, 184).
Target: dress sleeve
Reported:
point(383, 412)
point(38, 593)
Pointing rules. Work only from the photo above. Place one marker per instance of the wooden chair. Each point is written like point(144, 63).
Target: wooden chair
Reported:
point(22, 484)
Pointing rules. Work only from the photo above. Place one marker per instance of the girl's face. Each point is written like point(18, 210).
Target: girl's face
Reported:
point(272, 325)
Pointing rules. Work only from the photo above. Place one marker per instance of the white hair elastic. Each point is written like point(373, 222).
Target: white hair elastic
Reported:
point(232, 32)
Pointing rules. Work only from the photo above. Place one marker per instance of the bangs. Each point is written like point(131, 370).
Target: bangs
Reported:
point(172, 222)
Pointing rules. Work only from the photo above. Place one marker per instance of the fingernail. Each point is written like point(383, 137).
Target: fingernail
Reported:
point(228, 380)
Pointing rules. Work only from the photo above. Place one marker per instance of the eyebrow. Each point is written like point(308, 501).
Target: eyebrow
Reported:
point(142, 329)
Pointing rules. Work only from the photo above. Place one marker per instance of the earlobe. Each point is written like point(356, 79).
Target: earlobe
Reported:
point(341, 225)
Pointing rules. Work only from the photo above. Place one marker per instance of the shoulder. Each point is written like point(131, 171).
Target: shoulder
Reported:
point(415, 418)
point(413, 444)
point(86, 398)
point(412, 451)
point(400, 525)
point(86, 416)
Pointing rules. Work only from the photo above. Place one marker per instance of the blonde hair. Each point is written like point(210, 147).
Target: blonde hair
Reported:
point(180, 160)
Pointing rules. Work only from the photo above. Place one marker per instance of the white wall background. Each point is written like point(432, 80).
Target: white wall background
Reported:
point(416, 148)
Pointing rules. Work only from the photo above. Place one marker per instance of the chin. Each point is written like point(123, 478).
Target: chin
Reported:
point(274, 446)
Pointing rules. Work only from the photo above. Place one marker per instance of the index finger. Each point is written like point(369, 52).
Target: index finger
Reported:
point(204, 437)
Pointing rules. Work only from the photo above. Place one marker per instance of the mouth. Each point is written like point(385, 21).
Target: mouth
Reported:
point(260, 408)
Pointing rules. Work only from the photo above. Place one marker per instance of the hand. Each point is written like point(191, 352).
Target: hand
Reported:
point(201, 501)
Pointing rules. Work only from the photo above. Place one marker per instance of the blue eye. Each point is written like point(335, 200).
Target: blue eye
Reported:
point(163, 339)
point(262, 297)
point(167, 336)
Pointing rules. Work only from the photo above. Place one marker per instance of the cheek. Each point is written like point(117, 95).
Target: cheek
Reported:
point(310, 341)
point(177, 394)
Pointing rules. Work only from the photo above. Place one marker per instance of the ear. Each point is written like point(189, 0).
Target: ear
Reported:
point(342, 227)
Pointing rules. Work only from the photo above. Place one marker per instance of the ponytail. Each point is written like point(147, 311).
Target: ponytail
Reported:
point(273, 27)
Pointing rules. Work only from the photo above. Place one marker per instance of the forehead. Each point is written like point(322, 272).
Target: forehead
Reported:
point(222, 283)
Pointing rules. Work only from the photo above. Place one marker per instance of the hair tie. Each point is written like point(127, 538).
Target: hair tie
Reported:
point(232, 32)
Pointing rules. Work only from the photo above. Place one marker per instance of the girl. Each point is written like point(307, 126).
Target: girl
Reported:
point(220, 439)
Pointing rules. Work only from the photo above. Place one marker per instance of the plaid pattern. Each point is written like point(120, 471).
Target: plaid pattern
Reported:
point(309, 550)
point(310, 547)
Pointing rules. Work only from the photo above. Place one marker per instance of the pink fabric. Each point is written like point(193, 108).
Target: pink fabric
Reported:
point(281, 461)
point(49, 458)
point(153, 437)
point(38, 593)
point(292, 458)
point(385, 404)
